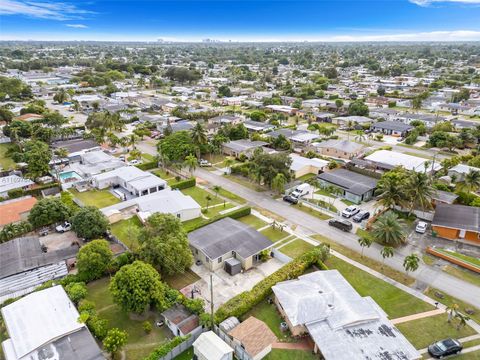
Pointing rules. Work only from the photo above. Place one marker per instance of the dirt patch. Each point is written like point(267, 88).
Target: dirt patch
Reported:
point(55, 241)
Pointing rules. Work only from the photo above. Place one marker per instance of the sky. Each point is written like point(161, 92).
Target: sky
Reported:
point(241, 20)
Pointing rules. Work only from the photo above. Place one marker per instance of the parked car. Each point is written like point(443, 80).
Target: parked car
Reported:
point(134, 162)
point(43, 231)
point(421, 227)
point(66, 226)
point(444, 348)
point(361, 215)
point(341, 224)
point(205, 163)
point(291, 199)
point(350, 211)
point(301, 190)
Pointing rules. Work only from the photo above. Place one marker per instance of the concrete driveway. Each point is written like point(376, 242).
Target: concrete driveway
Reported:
point(55, 241)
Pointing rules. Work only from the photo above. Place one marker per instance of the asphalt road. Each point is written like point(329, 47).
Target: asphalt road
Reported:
point(310, 225)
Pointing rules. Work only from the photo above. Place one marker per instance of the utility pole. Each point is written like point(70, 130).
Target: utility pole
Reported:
point(211, 302)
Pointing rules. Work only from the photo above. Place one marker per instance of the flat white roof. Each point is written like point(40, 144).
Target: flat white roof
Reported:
point(298, 162)
point(211, 346)
point(12, 182)
point(409, 162)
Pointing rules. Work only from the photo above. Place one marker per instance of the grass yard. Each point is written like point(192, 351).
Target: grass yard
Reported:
point(148, 157)
point(137, 338)
point(306, 177)
point(465, 275)
point(313, 212)
point(323, 204)
point(449, 300)
point(165, 175)
point(274, 234)
point(347, 202)
point(186, 355)
point(253, 221)
point(324, 193)
point(245, 182)
point(216, 210)
point(179, 281)
point(282, 354)
point(423, 332)
point(465, 258)
point(395, 302)
point(200, 196)
point(231, 196)
point(296, 248)
point(269, 314)
point(429, 260)
point(6, 163)
point(474, 355)
point(97, 198)
point(125, 231)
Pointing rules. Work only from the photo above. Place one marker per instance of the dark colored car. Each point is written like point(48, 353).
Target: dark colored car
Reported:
point(341, 224)
point(360, 216)
point(290, 199)
point(444, 348)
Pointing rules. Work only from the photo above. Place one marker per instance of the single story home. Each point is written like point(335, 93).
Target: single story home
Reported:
point(387, 160)
point(457, 222)
point(209, 346)
point(258, 126)
point(354, 187)
point(16, 210)
point(245, 147)
point(44, 325)
point(76, 147)
point(355, 120)
point(302, 166)
point(91, 163)
point(298, 137)
point(254, 336)
point(394, 128)
point(341, 149)
point(227, 238)
point(342, 324)
point(459, 171)
point(180, 320)
point(13, 182)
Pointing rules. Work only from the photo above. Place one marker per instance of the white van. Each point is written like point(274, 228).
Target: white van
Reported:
point(301, 190)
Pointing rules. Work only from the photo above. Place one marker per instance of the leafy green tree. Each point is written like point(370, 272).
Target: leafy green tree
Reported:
point(419, 190)
point(115, 340)
point(37, 155)
point(388, 229)
point(358, 108)
point(14, 88)
point(471, 181)
point(76, 291)
point(94, 259)
point(278, 183)
point(191, 163)
point(176, 147)
point(89, 223)
point(164, 244)
point(60, 96)
point(258, 115)
point(381, 91)
point(339, 104)
point(137, 286)
point(5, 115)
point(264, 167)
point(48, 211)
point(224, 91)
point(216, 189)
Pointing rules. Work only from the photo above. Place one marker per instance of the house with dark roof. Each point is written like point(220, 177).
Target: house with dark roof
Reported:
point(457, 222)
point(354, 187)
point(254, 336)
point(180, 320)
point(227, 238)
point(245, 147)
point(394, 128)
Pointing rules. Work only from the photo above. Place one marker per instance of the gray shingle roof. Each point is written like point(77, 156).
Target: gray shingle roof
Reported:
point(457, 217)
point(353, 182)
point(392, 125)
point(226, 235)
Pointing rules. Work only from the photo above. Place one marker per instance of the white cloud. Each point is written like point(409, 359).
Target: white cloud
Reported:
point(457, 35)
point(42, 10)
point(430, 2)
point(77, 26)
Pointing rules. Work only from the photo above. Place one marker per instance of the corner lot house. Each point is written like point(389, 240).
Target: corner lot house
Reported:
point(44, 325)
point(355, 187)
point(387, 160)
point(303, 166)
point(341, 149)
point(254, 336)
point(209, 346)
point(342, 324)
point(227, 238)
point(457, 222)
point(394, 128)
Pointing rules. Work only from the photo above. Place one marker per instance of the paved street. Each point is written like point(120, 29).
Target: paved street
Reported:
point(310, 225)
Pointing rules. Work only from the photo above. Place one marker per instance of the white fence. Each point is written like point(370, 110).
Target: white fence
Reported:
point(180, 348)
point(280, 256)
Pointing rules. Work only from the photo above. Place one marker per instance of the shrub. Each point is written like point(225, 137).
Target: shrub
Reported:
point(147, 165)
point(188, 183)
point(15, 193)
point(76, 291)
point(164, 349)
point(147, 327)
point(14, 230)
point(236, 214)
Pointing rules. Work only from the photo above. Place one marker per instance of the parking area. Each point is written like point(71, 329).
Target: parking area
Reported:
point(56, 241)
point(226, 286)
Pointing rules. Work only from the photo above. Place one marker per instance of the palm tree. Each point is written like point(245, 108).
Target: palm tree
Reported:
point(411, 263)
point(419, 191)
point(389, 193)
point(131, 140)
point(228, 164)
point(191, 163)
point(313, 182)
point(365, 242)
point(199, 137)
point(216, 189)
point(360, 135)
point(386, 252)
point(278, 183)
point(471, 182)
point(452, 310)
point(388, 229)
point(208, 198)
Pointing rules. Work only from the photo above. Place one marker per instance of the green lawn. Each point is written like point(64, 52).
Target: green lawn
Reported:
point(474, 355)
point(124, 230)
point(323, 204)
point(148, 157)
point(269, 314)
point(6, 163)
point(97, 198)
point(449, 300)
point(200, 195)
point(324, 193)
point(296, 248)
point(186, 355)
point(245, 182)
point(466, 258)
point(274, 234)
point(347, 202)
point(231, 196)
point(99, 294)
point(313, 212)
point(179, 281)
point(395, 302)
point(253, 221)
point(165, 175)
point(216, 210)
point(423, 332)
point(281, 354)
point(306, 177)
point(463, 274)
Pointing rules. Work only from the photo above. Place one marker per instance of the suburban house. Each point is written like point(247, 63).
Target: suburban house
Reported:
point(342, 324)
point(354, 187)
point(428, 119)
point(165, 202)
point(297, 137)
point(236, 148)
point(76, 147)
point(353, 120)
point(24, 265)
point(387, 160)
point(132, 180)
point(44, 325)
point(227, 238)
point(180, 320)
point(258, 126)
point(459, 171)
point(394, 128)
point(13, 182)
point(457, 222)
point(16, 210)
point(341, 149)
point(254, 336)
point(302, 166)
point(209, 346)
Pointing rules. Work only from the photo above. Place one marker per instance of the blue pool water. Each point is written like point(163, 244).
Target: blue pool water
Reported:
point(69, 176)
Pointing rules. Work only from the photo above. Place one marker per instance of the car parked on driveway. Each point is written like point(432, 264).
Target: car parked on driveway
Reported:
point(341, 224)
point(66, 226)
point(361, 215)
point(421, 227)
point(444, 348)
point(350, 211)
point(205, 163)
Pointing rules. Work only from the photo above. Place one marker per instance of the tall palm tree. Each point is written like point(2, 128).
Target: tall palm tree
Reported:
point(191, 163)
point(208, 198)
point(216, 189)
point(411, 263)
point(228, 164)
point(199, 137)
point(386, 252)
point(390, 194)
point(419, 191)
point(365, 242)
point(360, 135)
point(388, 229)
point(471, 182)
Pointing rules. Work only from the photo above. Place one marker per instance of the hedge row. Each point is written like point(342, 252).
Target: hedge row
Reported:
point(164, 349)
point(37, 191)
point(14, 230)
point(184, 184)
point(147, 165)
point(235, 214)
point(242, 303)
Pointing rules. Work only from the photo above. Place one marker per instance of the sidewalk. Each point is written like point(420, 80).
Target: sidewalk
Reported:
point(417, 316)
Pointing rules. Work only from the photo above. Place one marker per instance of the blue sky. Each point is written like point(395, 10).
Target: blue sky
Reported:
point(181, 20)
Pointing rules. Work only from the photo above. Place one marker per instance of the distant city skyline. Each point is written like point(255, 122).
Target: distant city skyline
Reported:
point(232, 20)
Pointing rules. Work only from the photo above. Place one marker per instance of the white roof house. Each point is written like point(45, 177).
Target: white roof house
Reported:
point(302, 165)
point(39, 321)
point(409, 162)
point(94, 162)
point(209, 346)
point(13, 182)
point(342, 324)
point(459, 171)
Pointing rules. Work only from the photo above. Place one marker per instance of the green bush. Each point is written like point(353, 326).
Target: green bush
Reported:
point(15, 193)
point(184, 184)
point(235, 214)
point(242, 303)
point(164, 349)
point(14, 230)
point(38, 190)
point(147, 327)
point(147, 165)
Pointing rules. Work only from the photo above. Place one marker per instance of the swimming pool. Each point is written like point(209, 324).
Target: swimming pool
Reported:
point(69, 176)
